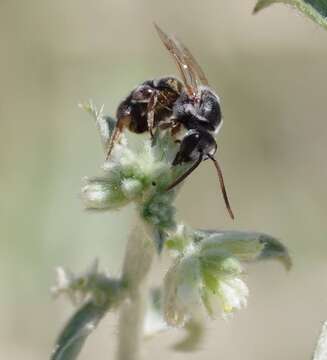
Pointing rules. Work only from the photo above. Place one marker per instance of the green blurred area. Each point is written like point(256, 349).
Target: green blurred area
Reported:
point(270, 71)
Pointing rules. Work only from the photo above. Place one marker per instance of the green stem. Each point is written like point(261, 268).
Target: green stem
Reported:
point(138, 259)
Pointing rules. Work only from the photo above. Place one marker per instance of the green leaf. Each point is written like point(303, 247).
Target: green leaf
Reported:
point(79, 327)
point(274, 249)
point(245, 246)
point(316, 10)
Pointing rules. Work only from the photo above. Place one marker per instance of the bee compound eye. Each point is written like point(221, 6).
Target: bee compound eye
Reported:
point(212, 151)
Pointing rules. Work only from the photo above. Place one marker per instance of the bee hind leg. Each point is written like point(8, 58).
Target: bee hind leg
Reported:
point(150, 112)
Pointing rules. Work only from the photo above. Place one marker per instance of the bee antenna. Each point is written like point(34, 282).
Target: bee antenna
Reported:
point(222, 185)
point(186, 174)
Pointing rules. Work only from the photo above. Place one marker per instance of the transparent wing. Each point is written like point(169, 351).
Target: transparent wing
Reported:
point(192, 63)
point(191, 72)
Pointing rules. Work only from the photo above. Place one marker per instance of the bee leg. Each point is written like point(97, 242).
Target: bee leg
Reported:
point(120, 125)
point(150, 112)
point(166, 124)
point(175, 128)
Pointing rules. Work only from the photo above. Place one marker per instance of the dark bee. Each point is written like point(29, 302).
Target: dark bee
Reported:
point(146, 107)
point(190, 109)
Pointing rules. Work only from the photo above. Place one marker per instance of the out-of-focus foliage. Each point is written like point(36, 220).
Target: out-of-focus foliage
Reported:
point(72, 338)
point(95, 293)
point(314, 9)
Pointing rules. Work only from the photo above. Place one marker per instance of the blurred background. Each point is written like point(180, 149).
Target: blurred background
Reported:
point(270, 71)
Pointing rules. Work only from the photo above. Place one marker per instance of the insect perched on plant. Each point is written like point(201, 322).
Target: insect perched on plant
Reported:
point(190, 109)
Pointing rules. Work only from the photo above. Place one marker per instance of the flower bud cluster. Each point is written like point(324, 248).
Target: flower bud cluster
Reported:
point(140, 177)
point(203, 277)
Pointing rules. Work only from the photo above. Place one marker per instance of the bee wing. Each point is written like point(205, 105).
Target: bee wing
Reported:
point(194, 65)
point(185, 62)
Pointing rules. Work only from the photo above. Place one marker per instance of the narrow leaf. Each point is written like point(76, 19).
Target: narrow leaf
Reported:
point(79, 327)
point(245, 246)
point(316, 10)
point(274, 249)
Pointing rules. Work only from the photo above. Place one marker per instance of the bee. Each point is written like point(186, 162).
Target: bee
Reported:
point(146, 107)
point(189, 108)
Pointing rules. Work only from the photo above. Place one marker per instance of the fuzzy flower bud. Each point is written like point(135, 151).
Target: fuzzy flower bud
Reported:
point(141, 177)
point(200, 279)
point(182, 291)
point(102, 194)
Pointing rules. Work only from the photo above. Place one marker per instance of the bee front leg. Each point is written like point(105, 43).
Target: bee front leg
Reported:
point(122, 122)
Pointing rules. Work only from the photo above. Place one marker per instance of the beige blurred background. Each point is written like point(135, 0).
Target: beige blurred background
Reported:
point(270, 71)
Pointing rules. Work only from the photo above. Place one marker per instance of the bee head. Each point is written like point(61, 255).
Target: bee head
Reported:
point(195, 144)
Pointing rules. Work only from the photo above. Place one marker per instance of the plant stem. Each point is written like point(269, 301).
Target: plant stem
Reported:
point(321, 348)
point(138, 258)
